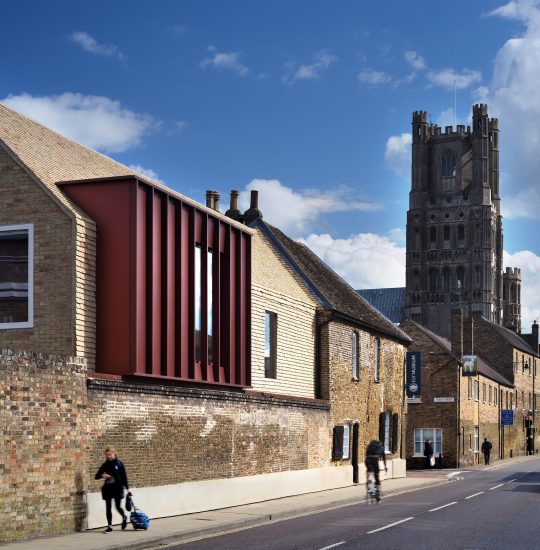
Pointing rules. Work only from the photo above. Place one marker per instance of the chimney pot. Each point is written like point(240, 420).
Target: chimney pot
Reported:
point(216, 200)
point(209, 198)
point(253, 213)
point(233, 211)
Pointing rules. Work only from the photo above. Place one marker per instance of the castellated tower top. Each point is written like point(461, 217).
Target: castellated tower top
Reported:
point(420, 117)
point(480, 109)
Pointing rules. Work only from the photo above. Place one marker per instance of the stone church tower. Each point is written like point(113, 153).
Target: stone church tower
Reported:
point(454, 224)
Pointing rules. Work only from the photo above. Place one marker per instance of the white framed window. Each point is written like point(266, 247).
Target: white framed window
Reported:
point(484, 392)
point(355, 355)
point(16, 276)
point(421, 435)
point(495, 396)
point(270, 344)
point(476, 439)
point(490, 394)
point(376, 358)
point(470, 388)
point(346, 434)
point(476, 390)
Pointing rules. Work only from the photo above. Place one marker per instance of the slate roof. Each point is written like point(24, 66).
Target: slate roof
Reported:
point(514, 339)
point(389, 301)
point(328, 287)
point(484, 367)
point(53, 158)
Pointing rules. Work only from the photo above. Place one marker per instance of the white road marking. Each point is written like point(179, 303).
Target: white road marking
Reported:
point(333, 545)
point(391, 525)
point(511, 480)
point(443, 506)
point(475, 495)
point(497, 486)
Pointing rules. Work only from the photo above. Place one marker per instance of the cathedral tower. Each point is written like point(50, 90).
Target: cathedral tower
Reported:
point(454, 225)
point(512, 298)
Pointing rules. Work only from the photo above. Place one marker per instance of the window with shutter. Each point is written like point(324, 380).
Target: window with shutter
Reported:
point(337, 443)
point(345, 455)
point(395, 432)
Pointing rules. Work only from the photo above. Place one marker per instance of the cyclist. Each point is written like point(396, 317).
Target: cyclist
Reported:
point(374, 453)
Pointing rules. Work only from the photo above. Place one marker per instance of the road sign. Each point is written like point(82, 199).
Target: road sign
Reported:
point(443, 400)
point(507, 417)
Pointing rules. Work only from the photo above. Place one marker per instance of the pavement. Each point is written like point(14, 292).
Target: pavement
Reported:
point(190, 527)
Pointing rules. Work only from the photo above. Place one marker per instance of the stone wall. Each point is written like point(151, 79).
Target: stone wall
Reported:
point(43, 460)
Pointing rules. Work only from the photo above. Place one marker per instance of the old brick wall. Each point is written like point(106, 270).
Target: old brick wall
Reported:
point(43, 461)
point(363, 399)
point(276, 289)
point(22, 201)
point(168, 435)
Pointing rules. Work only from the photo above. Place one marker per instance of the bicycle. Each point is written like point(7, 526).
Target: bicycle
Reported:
point(373, 492)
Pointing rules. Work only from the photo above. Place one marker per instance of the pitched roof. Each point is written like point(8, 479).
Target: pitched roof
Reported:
point(486, 369)
point(329, 288)
point(53, 158)
point(443, 343)
point(514, 339)
point(389, 301)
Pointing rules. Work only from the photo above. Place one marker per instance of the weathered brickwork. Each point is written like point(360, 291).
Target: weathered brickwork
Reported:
point(22, 201)
point(363, 399)
point(202, 434)
point(43, 461)
point(276, 289)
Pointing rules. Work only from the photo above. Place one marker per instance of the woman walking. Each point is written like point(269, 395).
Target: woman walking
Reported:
point(114, 474)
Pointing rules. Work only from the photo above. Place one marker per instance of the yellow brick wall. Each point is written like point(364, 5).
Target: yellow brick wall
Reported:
point(276, 289)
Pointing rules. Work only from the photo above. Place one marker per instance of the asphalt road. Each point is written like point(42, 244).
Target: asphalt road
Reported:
point(491, 510)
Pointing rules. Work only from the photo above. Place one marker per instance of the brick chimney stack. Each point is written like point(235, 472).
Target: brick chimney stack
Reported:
point(535, 342)
point(233, 211)
point(253, 213)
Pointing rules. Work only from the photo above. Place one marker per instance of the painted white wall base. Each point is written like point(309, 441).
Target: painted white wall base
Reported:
point(200, 496)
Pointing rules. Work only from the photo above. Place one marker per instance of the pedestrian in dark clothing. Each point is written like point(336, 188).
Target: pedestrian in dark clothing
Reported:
point(486, 449)
point(114, 474)
point(428, 452)
point(374, 453)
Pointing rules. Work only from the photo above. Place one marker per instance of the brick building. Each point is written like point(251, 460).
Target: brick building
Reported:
point(457, 411)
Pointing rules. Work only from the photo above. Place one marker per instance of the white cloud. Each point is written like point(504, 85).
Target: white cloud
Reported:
point(446, 78)
point(147, 172)
point(530, 285)
point(322, 61)
point(513, 98)
point(90, 44)
point(364, 260)
point(397, 155)
point(95, 121)
point(225, 61)
point(295, 212)
point(416, 61)
point(373, 78)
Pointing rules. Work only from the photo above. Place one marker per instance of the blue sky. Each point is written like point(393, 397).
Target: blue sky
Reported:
point(308, 101)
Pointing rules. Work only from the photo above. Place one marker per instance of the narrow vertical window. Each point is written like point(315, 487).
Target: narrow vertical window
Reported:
point(270, 344)
point(210, 305)
point(376, 359)
point(355, 369)
point(345, 442)
point(198, 304)
point(470, 388)
point(476, 439)
point(16, 276)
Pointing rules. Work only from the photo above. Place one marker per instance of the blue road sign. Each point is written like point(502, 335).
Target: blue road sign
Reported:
point(507, 417)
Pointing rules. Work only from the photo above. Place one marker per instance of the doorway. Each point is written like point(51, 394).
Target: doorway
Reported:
point(354, 457)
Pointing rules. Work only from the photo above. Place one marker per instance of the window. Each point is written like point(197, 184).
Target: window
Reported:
point(420, 436)
point(484, 392)
point(460, 278)
point(461, 233)
point(511, 400)
point(385, 422)
point(16, 276)
point(355, 355)
point(446, 279)
point(470, 442)
point(446, 233)
point(476, 390)
point(432, 234)
point(495, 396)
point(448, 168)
point(198, 304)
point(476, 438)
point(432, 280)
point(376, 358)
point(469, 389)
point(270, 344)
point(345, 442)
point(490, 394)
point(210, 305)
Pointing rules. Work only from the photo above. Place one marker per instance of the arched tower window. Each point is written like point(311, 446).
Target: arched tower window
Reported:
point(446, 232)
point(432, 234)
point(446, 279)
point(433, 280)
point(461, 233)
point(448, 164)
point(513, 293)
point(460, 283)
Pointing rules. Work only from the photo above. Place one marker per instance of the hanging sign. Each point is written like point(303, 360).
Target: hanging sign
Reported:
point(413, 370)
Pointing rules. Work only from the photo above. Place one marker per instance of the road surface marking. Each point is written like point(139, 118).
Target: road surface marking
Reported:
point(391, 525)
point(333, 545)
point(443, 506)
point(475, 495)
point(511, 480)
point(497, 486)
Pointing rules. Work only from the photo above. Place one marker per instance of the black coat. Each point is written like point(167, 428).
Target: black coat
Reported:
point(428, 449)
point(486, 447)
point(113, 487)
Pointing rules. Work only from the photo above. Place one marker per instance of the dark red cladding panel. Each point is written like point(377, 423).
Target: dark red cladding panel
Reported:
point(148, 296)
